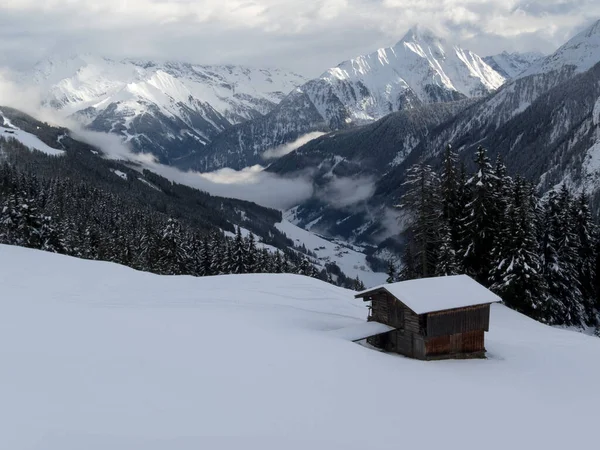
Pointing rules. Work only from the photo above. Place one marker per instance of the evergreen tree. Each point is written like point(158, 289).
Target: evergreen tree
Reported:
point(51, 238)
point(218, 255)
point(409, 266)
point(228, 266)
point(358, 285)
point(553, 307)
point(447, 263)
point(286, 266)
point(277, 263)
point(567, 247)
point(463, 201)
point(205, 259)
point(305, 268)
point(480, 219)
point(174, 258)
point(265, 262)
point(518, 273)
point(10, 218)
point(238, 261)
point(450, 194)
point(586, 236)
point(29, 225)
point(251, 255)
point(391, 272)
point(148, 254)
point(421, 201)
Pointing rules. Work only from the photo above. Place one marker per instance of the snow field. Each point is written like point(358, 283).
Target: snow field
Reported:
point(99, 356)
point(352, 262)
point(9, 131)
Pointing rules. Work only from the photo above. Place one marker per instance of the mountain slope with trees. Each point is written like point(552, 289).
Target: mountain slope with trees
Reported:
point(545, 125)
point(542, 256)
point(82, 205)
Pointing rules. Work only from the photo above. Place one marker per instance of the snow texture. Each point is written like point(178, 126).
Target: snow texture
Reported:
point(238, 93)
point(416, 63)
point(9, 131)
point(350, 259)
point(98, 356)
point(438, 294)
point(361, 331)
point(509, 65)
point(582, 52)
point(120, 174)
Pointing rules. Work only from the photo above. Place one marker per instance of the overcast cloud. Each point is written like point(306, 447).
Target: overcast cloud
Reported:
point(307, 36)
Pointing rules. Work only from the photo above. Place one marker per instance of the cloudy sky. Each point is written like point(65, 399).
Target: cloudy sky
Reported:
point(307, 36)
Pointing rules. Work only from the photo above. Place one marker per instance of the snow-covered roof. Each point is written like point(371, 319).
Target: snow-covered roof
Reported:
point(427, 295)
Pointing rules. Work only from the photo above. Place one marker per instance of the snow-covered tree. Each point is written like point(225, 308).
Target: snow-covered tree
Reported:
point(391, 272)
point(587, 234)
point(251, 255)
point(479, 226)
point(422, 202)
point(450, 193)
point(447, 262)
point(204, 258)
point(238, 261)
point(174, 257)
point(517, 273)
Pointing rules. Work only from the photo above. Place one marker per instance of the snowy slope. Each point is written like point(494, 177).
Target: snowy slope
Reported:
point(99, 356)
point(421, 67)
point(236, 92)
point(9, 131)
point(350, 259)
point(509, 65)
point(168, 109)
point(581, 53)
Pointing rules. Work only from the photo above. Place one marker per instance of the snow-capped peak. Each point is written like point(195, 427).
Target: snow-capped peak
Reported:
point(421, 68)
point(419, 33)
point(581, 52)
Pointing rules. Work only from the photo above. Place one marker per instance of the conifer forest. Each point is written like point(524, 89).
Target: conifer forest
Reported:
point(541, 255)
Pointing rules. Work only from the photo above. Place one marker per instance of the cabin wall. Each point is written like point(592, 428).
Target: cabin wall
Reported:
point(446, 323)
point(469, 343)
point(408, 338)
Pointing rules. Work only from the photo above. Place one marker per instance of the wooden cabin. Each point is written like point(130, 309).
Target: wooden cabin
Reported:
point(431, 318)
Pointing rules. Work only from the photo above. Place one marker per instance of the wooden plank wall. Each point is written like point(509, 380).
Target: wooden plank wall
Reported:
point(470, 342)
point(407, 339)
point(445, 323)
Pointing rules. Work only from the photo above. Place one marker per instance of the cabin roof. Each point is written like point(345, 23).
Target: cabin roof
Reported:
point(427, 295)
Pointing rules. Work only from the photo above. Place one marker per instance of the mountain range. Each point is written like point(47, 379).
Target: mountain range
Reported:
point(167, 109)
point(544, 123)
point(420, 69)
point(210, 117)
point(380, 113)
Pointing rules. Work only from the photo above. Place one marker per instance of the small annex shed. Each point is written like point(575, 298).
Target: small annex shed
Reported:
point(431, 318)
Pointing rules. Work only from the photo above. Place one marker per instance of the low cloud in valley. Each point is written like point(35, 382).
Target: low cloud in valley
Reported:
point(285, 149)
